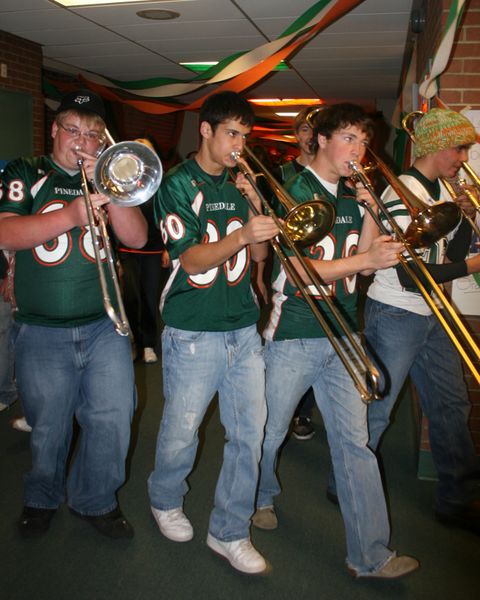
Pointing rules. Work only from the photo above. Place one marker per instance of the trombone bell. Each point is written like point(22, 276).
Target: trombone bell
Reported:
point(306, 223)
point(429, 223)
point(432, 223)
point(309, 222)
point(129, 173)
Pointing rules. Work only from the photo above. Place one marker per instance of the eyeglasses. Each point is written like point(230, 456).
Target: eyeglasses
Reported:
point(73, 132)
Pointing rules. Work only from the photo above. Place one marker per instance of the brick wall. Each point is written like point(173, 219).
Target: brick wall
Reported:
point(24, 68)
point(460, 83)
point(459, 87)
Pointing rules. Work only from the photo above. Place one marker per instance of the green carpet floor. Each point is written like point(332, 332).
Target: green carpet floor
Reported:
point(306, 553)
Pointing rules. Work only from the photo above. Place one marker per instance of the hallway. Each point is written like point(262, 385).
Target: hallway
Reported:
point(306, 553)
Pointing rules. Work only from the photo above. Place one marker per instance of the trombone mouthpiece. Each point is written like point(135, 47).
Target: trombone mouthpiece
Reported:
point(235, 155)
point(76, 149)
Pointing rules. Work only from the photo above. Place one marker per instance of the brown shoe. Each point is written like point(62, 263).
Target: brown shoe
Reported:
point(265, 518)
point(397, 566)
point(20, 424)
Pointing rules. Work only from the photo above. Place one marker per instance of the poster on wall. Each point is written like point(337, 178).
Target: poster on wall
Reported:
point(466, 290)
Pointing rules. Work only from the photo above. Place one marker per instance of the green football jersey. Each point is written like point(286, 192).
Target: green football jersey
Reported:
point(56, 283)
point(291, 317)
point(289, 170)
point(195, 208)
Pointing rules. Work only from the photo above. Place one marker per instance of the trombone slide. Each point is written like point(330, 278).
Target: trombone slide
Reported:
point(454, 336)
point(347, 353)
point(97, 220)
point(129, 173)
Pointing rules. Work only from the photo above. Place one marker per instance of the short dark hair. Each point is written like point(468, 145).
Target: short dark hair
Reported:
point(335, 117)
point(226, 105)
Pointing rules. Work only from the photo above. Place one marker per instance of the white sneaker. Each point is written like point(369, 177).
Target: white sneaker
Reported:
point(173, 524)
point(149, 355)
point(21, 424)
point(240, 554)
point(3, 406)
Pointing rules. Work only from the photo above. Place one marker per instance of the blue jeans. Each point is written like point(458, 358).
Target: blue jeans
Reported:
point(83, 372)
point(8, 390)
point(413, 344)
point(195, 366)
point(292, 367)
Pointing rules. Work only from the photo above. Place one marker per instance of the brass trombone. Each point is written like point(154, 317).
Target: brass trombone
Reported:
point(129, 173)
point(417, 239)
point(408, 125)
point(348, 354)
point(475, 179)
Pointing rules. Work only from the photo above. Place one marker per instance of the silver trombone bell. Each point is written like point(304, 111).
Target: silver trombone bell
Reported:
point(129, 173)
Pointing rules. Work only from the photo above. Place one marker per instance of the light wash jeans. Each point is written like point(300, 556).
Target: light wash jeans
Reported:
point(292, 367)
point(83, 372)
point(8, 390)
point(413, 344)
point(195, 366)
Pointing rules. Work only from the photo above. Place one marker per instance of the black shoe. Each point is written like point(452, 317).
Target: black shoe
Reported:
point(35, 521)
point(303, 428)
point(112, 524)
point(467, 517)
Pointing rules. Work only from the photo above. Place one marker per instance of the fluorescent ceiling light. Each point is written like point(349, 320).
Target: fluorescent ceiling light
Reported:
point(285, 101)
point(287, 114)
point(83, 3)
point(265, 101)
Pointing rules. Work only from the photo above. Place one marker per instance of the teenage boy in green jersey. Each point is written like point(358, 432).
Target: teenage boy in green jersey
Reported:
point(69, 360)
point(298, 355)
point(210, 342)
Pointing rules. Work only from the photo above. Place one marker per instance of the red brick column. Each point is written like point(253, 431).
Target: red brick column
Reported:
point(460, 83)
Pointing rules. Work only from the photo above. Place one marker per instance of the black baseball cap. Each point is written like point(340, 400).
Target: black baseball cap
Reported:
point(83, 100)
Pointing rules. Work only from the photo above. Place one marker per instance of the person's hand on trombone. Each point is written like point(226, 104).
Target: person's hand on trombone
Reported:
point(78, 210)
point(88, 162)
